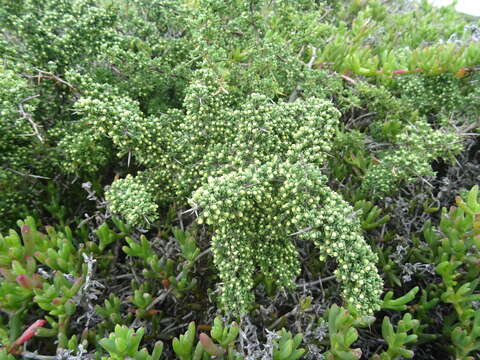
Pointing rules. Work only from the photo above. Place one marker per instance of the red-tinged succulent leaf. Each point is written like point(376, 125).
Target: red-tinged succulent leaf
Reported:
point(25, 282)
point(28, 334)
point(210, 346)
point(166, 283)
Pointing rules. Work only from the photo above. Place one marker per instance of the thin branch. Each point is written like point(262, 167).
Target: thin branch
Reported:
point(469, 127)
point(180, 220)
point(203, 253)
point(357, 122)
point(28, 117)
point(29, 175)
point(313, 58)
point(302, 231)
point(42, 74)
point(172, 327)
point(29, 98)
point(290, 313)
point(294, 95)
point(159, 299)
point(347, 78)
point(316, 282)
point(189, 211)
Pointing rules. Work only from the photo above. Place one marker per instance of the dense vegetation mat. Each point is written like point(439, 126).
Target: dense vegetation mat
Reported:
point(245, 179)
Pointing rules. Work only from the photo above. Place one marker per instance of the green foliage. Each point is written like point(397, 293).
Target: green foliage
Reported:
point(432, 93)
point(351, 158)
point(142, 301)
point(456, 245)
point(225, 174)
point(125, 342)
point(110, 312)
point(311, 139)
point(398, 338)
point(57, 33)
point(286, 347)
point(183, 346)
point(4, 355)
point(221, 344)
point(465, 341)
point(107, 236)
point(19, 257)
point(370, 215)
point(342, 334)
point(415, 147)
point(23, 284)
point(187, 243)
point(399, 303)
point(366, 41)
point(175, 275)
point(206, 348)
point(224, 335)
point(18, 137)
point(57, 298)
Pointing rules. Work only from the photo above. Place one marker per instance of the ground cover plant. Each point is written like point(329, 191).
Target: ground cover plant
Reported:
point(245, 179)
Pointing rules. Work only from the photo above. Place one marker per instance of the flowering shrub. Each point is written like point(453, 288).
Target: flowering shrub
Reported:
point(205, 158)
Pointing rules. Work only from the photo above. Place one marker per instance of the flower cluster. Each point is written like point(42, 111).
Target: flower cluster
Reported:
point(130, 197)
point(432, 93)
point(415, 148)
point(257, 213)
point(57, 33)
point(254, 168)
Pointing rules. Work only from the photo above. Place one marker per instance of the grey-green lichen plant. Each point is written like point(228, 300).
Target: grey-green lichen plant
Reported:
point(252, 170)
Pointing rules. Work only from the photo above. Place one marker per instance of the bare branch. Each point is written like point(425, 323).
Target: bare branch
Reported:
point(347, 78)
point(42, 74)
point(29, 175)
point(316, 282)
point(28, 117)
point(305, 230)
point(313, 58)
